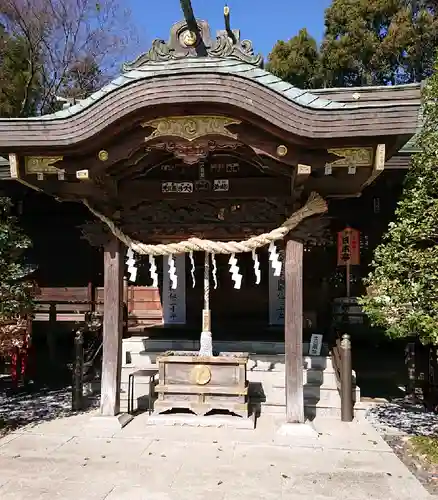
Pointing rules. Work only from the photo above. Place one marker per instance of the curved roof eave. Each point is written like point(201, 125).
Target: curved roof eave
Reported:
point(329, 116)
point(298, 96)
point(199, 65)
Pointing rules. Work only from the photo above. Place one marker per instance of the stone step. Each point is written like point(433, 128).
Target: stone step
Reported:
point(326, 378)
point(270, 395)
point(143, 343)
point(312, 409)
point(256, 362)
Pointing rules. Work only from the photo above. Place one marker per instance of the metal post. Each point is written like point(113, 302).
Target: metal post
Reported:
point(78, 372)
point(206, 348)
point(346, 380)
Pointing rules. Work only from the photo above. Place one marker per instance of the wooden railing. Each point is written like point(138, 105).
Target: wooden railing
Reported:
point(71, 304)
point(341, 360)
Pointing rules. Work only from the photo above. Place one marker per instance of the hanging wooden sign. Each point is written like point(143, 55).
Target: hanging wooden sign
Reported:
point(221, 185)
point(349, 247)
point(177, 187)
point(229, 168)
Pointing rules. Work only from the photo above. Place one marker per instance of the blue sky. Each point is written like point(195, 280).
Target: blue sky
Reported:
point(263, 22)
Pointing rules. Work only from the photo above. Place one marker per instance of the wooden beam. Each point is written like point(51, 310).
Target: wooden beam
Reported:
point(293, 342)
point(251, 187)
point(378, 166)
point(302, 174)
point(112, 329)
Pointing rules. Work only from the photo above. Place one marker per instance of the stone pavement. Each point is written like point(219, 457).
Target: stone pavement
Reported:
point(72, 458)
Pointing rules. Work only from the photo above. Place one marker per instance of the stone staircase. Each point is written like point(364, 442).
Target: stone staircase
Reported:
point(266, 374)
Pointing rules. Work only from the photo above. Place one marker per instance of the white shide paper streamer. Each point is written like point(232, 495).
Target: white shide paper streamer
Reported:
point(214, 270)
point(258, 274)
point(172, 272)
point(192, 270)
point(235, 273)
point(153, 271)
point(130, 262)
point(274, 258)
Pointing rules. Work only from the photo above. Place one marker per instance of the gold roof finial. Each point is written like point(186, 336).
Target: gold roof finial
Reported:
point(228, 23)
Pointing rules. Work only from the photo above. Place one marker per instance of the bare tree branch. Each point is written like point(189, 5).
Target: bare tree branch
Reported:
point(64, 37)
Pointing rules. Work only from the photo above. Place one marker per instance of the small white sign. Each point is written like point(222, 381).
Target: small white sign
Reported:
point(82, 174)
point(315, 345)
point(221, 185)
point(177, 187)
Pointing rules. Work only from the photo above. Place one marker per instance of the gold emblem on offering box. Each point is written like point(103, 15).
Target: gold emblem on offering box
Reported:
point(200, 374)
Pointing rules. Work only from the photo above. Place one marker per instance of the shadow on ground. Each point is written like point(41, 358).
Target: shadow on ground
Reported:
point(405, 416)
point(380, 369)
point(31, 406)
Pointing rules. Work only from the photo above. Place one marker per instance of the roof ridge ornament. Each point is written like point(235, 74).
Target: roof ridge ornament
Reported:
point(194, 40)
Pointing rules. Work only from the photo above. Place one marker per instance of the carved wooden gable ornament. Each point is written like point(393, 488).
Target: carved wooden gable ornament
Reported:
point(196, 41)
point(192, 138)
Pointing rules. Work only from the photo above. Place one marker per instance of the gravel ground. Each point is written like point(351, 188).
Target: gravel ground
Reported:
point(405, 417)
point(31, 407)
point(397, 422)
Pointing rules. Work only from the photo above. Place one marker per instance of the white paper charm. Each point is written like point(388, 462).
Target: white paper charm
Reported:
point(274, 258)
point(172, 272)
point(258, 274)
point(192, 270)
point(214, 270)
point(153, 271)
point(234, 270)
point(130, 262)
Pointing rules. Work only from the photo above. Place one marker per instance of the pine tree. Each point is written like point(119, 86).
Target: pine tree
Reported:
point(366, 42)
point(297, 61)
point(15, 288)
point(403, 284)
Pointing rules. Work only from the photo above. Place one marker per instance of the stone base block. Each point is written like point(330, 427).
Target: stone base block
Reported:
point(111, 423)
point(217, 421)
point(298, 430)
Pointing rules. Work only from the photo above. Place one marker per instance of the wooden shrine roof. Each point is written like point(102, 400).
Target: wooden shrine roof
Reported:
point(300, 139)
point(224, 81)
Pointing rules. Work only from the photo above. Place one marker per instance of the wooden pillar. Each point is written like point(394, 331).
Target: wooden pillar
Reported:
point(293, 342)
point(112, 328)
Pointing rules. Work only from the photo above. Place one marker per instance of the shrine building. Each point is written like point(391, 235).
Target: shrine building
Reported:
point(196, 140)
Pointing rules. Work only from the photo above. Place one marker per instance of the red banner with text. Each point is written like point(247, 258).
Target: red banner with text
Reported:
point(349, 247)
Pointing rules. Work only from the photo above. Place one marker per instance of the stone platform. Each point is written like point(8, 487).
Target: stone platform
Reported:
point(70, 459)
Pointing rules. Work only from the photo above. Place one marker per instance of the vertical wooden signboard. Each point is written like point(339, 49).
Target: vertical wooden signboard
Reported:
point(348, 252)
point(276, 295)
point(174, 300)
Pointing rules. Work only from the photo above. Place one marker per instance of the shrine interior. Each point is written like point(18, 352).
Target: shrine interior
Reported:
point(62, 256)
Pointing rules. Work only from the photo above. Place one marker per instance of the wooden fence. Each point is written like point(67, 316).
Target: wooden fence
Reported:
point(70, 304)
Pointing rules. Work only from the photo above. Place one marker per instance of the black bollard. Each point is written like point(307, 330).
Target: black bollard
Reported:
point(78, 372)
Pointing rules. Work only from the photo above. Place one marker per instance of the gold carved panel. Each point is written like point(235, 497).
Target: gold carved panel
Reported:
point(352, 157)
point(42, 164)
point(191, 128)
